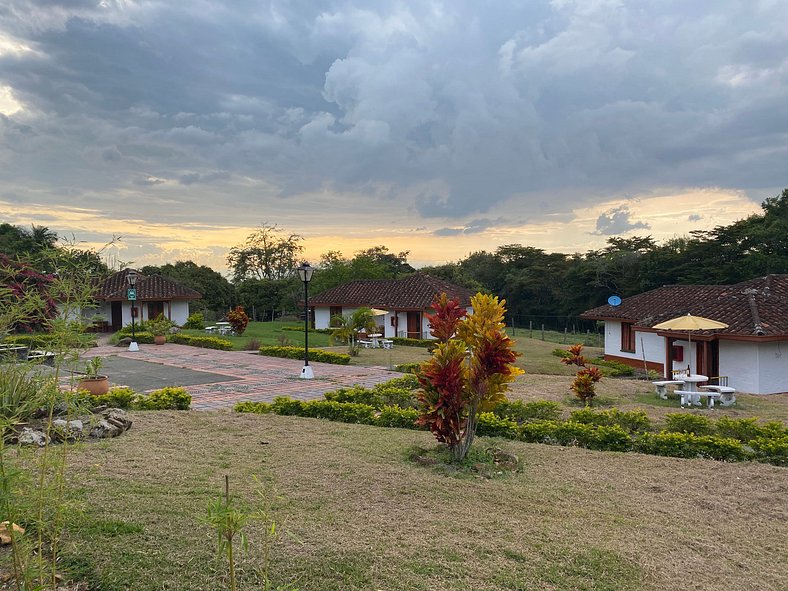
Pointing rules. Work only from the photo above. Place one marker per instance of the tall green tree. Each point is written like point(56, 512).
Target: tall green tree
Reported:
point(267, 253)
point(218, 294)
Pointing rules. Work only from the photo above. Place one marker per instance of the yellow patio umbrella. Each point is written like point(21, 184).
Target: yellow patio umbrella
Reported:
point(689, 323)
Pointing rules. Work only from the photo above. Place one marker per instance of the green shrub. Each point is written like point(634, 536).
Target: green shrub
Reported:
point(344, 412)
point(538, 431)
point(689, 445)
point(260, 408)
point(284, 405)
point(394, 416)
point(195, 321)
point(169, 398)
point(117, 397)
point(47, 342)
point(613, 369)
point(575, 434)
point(204, 342)
point(314, 354)
point(559, 352)
point(411, 367)
point(611, 438)
point(301, 329)
point(631, 421)
point(687, 423)
point(491, 425)
point(538, 410)
point(356, 394)
point(413, 342)
point(408, 382)
point(770, 450)
point(144, 338)
point(748, 429)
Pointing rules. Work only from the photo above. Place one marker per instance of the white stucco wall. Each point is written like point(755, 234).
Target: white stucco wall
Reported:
point(772, 367)
point(322, 317)
point(179, 312)
point(739, 361)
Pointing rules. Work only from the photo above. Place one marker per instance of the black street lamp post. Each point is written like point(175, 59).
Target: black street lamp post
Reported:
point(305, 274)
point(131, 293)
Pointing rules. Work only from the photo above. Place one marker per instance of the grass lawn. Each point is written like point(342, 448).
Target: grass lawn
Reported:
point(271, 333)
point(358, 514)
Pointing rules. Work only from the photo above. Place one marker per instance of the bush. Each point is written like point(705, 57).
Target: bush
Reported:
point(260, 408)
point(611, 438)
point(773, 451)
point(491, 425)
point(204, 342)
point(347, 412)
point(50, 341)
point(411, 367)
point(408, 382)
point(195, 322)
point(394, 416)
point(117, 397)
point(284, 405)
point(169, 398)
point(538, 431)
point(613, 369)
point(314, 354)
point(689, 445)
point(238, 319)
point(413, 342)
point(538, 410)
point(301, 329)
point(632, 421)
point(687, 423)
point(748, 429)
point(356, 394)
point(562, 353)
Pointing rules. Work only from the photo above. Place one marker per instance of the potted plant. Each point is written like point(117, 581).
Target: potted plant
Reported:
point(158, 327)
point(95, 383)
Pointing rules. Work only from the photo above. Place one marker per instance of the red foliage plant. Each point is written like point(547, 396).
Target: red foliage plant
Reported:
point(23, 284)
point(575, 356)
point(238, 319)
point(448, 313)
point(584, 384)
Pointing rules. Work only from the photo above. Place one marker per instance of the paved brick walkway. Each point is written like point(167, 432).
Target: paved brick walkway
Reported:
point(253, 377)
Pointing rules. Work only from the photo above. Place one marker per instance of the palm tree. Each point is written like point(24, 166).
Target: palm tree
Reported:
point(347, 327)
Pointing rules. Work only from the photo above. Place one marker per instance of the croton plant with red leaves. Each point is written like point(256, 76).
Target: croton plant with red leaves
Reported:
point(469, 371)
point(28, 291)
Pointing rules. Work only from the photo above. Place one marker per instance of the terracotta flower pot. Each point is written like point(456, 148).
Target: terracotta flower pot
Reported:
point(96, 386)
point(159, 339)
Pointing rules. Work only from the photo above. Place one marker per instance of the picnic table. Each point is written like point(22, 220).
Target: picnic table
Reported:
point(691, 391)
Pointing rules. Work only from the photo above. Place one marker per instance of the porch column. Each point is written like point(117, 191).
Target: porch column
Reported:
point(668, 357)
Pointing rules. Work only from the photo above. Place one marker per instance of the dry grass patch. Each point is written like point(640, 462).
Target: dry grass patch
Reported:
point(359, 515)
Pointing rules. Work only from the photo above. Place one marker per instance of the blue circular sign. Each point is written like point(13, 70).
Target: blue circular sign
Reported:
point(614, 301)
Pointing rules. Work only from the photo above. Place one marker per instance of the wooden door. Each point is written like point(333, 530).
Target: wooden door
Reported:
point(414, 325)
point(117, 315)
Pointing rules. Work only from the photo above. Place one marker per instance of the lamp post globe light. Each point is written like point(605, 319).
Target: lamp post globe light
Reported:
point(305, 274)
point(131, 295)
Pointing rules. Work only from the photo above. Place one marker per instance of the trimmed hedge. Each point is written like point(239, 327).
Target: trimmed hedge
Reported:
point(314, 354)
point(301, 329)
point(168, 398)
point(631, 421)
point(394, 416)
point(537, 410)
point(687, 423)
point(46, 341)
point(204, 342)
point(413, 342)
point(688, 445)
point(411, 367)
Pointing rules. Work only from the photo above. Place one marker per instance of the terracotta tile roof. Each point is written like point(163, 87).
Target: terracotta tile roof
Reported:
point(758, 307)
point(149, 288)
point(415, 292)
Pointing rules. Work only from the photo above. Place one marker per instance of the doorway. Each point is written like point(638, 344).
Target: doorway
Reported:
point(414, 325)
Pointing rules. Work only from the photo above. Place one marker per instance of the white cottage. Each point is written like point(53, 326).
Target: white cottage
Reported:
point(402, 303)
point(752, 352)
point(155, 295)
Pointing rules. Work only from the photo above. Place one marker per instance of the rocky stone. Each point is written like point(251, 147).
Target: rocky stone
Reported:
point(124, 342)
point(68, 430)
point(5, 532)
point(30, 436)
point(174, 330)
point(117, 417)
point(103, 429)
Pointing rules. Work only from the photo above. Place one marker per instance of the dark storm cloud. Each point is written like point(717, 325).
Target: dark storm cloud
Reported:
point(447, 107)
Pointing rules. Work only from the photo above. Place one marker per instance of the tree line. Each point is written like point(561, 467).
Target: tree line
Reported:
point(553, 287)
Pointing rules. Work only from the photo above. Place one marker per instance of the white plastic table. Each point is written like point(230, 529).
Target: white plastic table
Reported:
point(375, 337)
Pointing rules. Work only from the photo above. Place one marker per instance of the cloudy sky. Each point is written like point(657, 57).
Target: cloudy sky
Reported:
point(439, 127)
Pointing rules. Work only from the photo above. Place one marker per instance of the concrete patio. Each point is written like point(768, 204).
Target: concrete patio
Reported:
point(218, 379)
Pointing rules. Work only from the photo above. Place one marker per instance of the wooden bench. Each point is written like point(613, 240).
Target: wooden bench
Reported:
point(662, 387)
point(727, 395)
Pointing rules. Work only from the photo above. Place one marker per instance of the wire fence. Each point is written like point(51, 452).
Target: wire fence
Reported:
point(557, 329)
